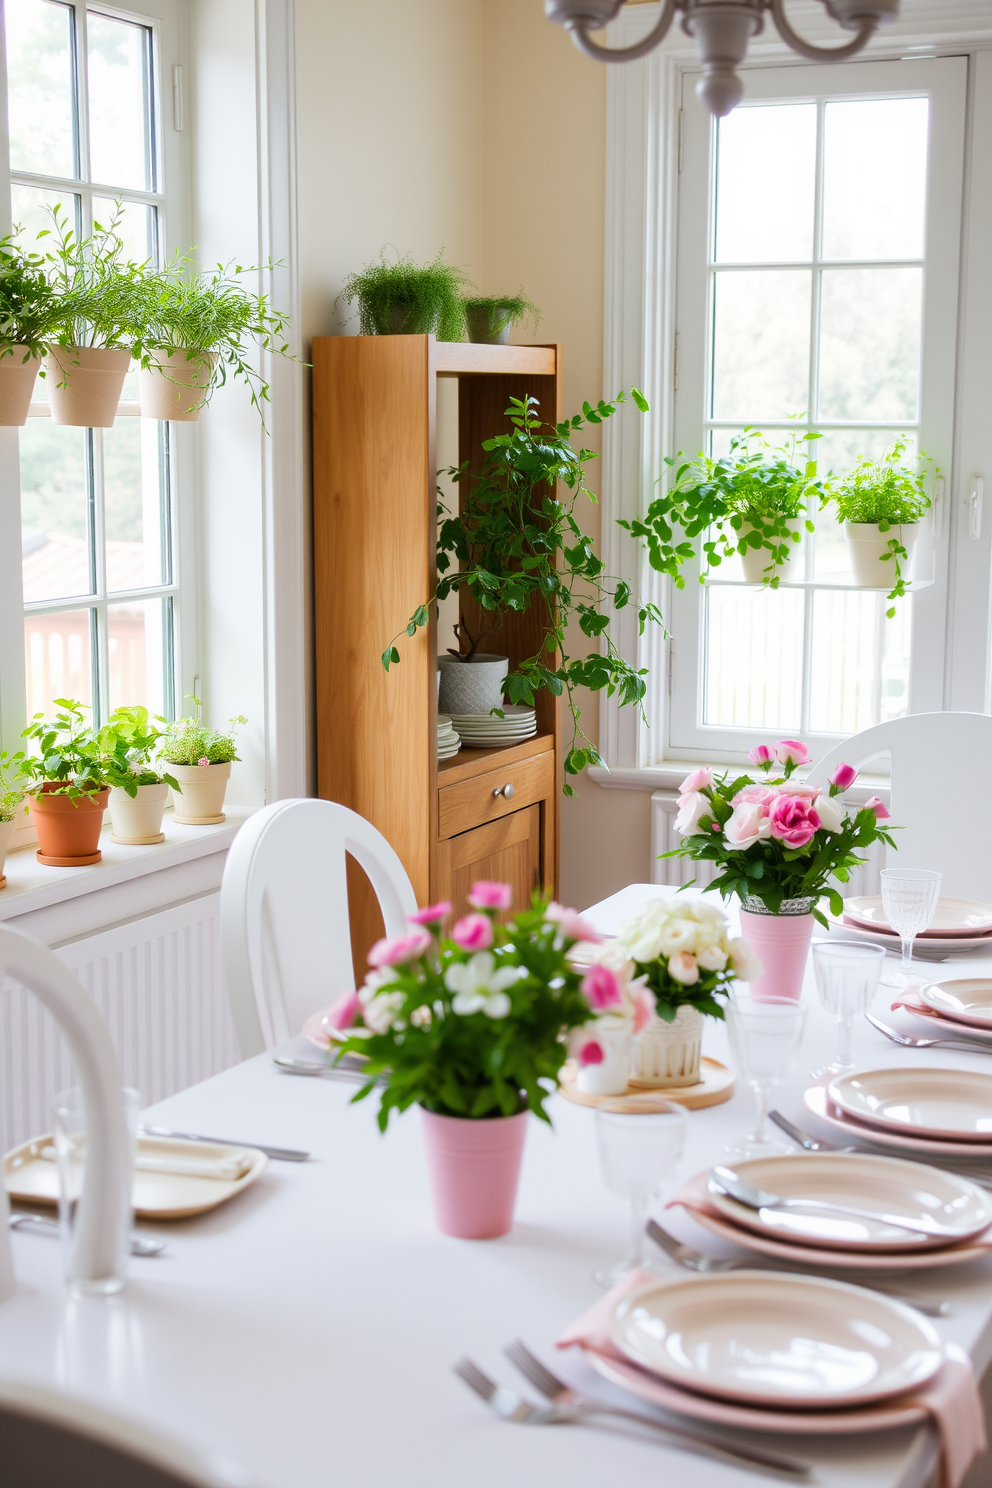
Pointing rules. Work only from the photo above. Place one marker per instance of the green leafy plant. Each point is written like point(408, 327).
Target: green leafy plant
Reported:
point(502, 311)
point(128, 740)
point(517, 542)
point(27, 300)
point(887, 493)
point(754, 497)
point(187, 741)
point(11, 784)
point(69, 759)
point(401, 297)
point(101, 294)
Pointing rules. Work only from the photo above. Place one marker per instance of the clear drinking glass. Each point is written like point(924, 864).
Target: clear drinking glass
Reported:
point(639, 1155)
point(847, 975)
point(70, 1154)
point(909, 899)
point(765, 1038)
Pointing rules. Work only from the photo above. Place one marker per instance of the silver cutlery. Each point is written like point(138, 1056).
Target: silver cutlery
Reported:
point(695, 1260)
point(36, 1224)
point(803, 1139)
point(513, 1407)
point(973, 1046)
point(736, 1187)
point(279, 1154)
point(979, 1176)
point(342, 1071)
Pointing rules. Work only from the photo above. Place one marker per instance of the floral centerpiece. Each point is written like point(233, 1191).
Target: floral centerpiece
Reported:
point(779, 844)
point(200, 758)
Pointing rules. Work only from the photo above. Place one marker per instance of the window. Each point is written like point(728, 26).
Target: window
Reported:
point(98, 509)
point(818, 245)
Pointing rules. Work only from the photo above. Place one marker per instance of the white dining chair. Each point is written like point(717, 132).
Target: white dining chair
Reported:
point(939, 795)
point(49, 1440)
point(284, 922)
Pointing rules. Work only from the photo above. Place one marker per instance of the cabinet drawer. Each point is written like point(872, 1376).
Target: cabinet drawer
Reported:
point(488, 797)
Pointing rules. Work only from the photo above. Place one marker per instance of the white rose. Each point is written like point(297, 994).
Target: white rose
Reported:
point(747, 967)
point(711, 958)
point(692, 809)
point(831, 813)
point(682, 968)
point(679, 935)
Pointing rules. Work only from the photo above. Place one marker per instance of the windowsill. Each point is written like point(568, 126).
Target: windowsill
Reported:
point(669, 777)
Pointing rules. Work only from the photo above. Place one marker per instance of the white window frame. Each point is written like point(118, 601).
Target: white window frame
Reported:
point(643, 149)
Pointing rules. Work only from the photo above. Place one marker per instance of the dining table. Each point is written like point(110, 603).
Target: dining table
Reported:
point(307, 1330)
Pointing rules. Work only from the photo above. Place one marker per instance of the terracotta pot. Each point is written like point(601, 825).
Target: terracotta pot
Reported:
point(68, 829)
point(6, 832)
point(138, 819)
point(85, 384)
point(666, 1055)
point(474, 1168)
point(759, 564)
point(201, 802)
point(866, 545)
point(781, 943)
point(488, 327)
point(472, 686)
point(177, 385)
point(611, 1075)
point(18, 370)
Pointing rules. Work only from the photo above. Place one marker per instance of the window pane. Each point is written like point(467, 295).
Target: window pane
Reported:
point(870, 337)
point(754, 658)
point(30, 211)
point(119, 87)
point(761, 344)
point(54, 512)
point(135, 225)
point(139, 641)
point(40, 90)
point(57, 659)
point(875, 178)
point(132, 504)
point(766, 180)
point(860, 664)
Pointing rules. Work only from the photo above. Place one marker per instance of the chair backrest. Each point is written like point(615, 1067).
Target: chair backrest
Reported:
point(936, 832)
point(284, 923)
point(54, 1441)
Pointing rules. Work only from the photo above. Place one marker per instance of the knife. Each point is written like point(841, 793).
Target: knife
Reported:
point(279, 1154)
point(141, 1245)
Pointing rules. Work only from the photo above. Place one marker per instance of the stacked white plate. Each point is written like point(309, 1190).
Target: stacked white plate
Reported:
point(448, 742)
point(958, 925)
point(489, 731)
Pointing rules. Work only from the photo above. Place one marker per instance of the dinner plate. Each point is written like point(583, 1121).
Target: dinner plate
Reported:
point(513, 713)
point(965, 1000)
point(953, 917)
point(939, 1103)
point(935, 948)
point(818, 1102)
point(769, 1338)
point(944, 1022)
point(887, 1185)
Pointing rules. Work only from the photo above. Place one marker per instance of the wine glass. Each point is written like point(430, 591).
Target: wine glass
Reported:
point(847, 975)
point(765, 1037)
point(639, 1154)
point(909, 899)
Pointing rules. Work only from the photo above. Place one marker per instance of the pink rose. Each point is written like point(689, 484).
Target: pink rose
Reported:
point(761, 795)
point(487, 895)
point(591, 1052)
point(844, 777)
point(346, 1012)
point(573, 926)
point(682, 967)
point(760, 755)
point(432, 915)
point(699, 780)
point(473, 932)
point(692, 809)
point(794, 820)
point(401, 948)
point(881, 811)
point(747, 826)
point(601, 988)
point(804, 792)
point(643, 1008)
point(791, 752)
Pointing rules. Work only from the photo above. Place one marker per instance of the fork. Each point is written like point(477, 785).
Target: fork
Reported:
point(904, 1040)
point(577, 1412)
point(980, 1176)
point(704, 1265)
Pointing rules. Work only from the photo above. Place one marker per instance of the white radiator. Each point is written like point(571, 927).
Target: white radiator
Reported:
point(157, 981)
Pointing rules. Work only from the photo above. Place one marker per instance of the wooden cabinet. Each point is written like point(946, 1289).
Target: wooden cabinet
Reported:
point(487, 813)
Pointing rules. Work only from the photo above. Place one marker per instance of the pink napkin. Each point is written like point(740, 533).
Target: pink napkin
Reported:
point(694, 1195)
point(951, 1398)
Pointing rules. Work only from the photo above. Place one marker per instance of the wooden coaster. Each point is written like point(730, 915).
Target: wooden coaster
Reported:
point(715, 1087)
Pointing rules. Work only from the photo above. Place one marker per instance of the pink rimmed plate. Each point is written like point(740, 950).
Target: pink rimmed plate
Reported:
point(819, 1103)
point(944, 1104)
point(952, 918)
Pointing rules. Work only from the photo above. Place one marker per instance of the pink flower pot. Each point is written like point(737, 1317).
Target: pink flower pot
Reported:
point(781, 944)
point(474, 1167)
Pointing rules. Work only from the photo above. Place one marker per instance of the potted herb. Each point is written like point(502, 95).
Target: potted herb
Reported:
point(11, 796)
point(67, 789)
point(26, 309)
point(138, 792)
point(399, 297)
point(472, 1029)
point(517, 542)
point(881, 503)
point(490, 317)
point(200, 760)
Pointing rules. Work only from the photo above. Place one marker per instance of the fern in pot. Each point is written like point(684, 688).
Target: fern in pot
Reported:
point(138, 792)
point(881, 503)
point(200, 760)
point(489, 318)
point(400, 298)
point(27, 309)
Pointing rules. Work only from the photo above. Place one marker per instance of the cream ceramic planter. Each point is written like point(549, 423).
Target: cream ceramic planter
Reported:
point(85, 384)
point(201, 803)
point(866, 546)
point(758, 564)
point(611, 1075)
point(666, 1055)
point(472, 686)
point(6, 832)
point(18, 370)
point(138, 819)
point(176, 386)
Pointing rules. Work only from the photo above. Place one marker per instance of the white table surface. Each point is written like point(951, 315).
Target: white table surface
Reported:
point(307, 1329)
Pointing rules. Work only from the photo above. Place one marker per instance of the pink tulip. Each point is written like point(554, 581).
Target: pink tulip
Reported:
point(346, 1012)
point(573, 926)
point(760, 755)
point(791, 752)
point(591, 1052)
point(758, 795)
point(601, 988)
point(844, 777)
point(881, 811)
point(432, 915)
point(794, 821)
point(473, 932)
point(487, 895)
point(401, 948)
point(699, 780)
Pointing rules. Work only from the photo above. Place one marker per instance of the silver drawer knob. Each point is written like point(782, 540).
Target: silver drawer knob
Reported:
point(506, 791)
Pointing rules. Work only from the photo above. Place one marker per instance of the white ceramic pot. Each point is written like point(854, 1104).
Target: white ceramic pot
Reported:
point(6, 832)
point(866, 545)
point(85, 384)
point(472, 686)
point(176, 386)
point(18, 370)
point(138, 819)
point(758, 563)
point(201, 803)
point(610, 1077)
point(666, 1055)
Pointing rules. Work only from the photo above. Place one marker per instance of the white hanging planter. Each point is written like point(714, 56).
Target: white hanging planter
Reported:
point(18, 370)
point(472, 686)
point(6, 832)
point(201, 802)
point(667, 1055)
point(867, 545)
point(85, 384)
point(137, 820)
point(759, 563)
point(611, 1075)
point(176, 385)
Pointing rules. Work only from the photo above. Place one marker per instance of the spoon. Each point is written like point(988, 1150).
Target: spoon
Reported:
point(726, 1181)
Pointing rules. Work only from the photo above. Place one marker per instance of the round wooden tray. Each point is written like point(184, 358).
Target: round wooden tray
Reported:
point(716, 1086)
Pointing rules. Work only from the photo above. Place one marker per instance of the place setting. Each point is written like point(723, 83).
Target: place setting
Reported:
point(912, 918)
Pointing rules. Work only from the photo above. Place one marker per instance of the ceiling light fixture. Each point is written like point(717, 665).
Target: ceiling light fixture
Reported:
point(722, 30)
